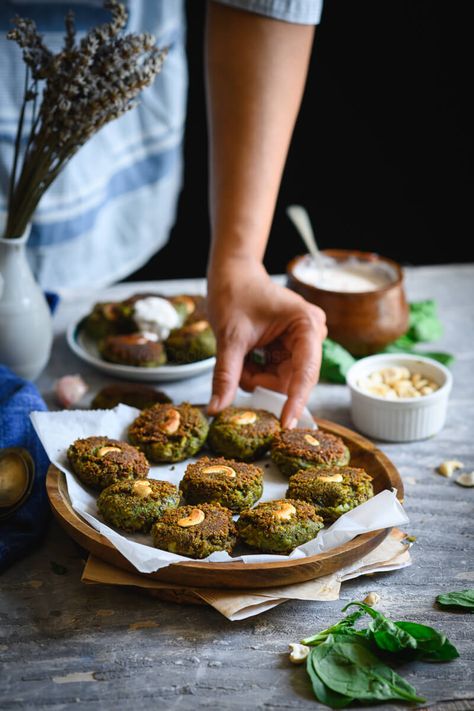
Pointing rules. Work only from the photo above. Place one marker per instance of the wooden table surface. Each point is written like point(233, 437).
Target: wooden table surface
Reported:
point(63, 643)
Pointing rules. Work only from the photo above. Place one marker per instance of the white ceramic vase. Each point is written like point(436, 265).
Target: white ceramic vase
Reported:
point(26, 326)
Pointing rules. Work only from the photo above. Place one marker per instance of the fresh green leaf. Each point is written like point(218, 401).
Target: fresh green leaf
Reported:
point(385, 632)
point(408, 638)
point(342, 664)
point(322, 692)
point(351, 669)
point(458, 598)
point(389, 637)
point(424, 324)
point(343, 626)
point(403, 344)
point(432, 646)
point(57, 568)
point(335, 362)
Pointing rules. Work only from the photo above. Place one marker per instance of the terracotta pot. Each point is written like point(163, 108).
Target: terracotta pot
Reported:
point(363, 322)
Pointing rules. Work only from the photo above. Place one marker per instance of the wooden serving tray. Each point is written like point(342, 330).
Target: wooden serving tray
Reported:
point(243, 575)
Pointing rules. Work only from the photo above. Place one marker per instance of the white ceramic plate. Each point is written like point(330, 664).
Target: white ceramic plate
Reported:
point(86, 349)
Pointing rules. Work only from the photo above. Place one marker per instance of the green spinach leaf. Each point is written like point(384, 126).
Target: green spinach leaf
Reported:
point(351, 669)
point(408, 638)
point(346, 625)
point(424, 324)
point(335, 362)
point(457, 598)
point(431, 645)
point(384, 632)
point(322, 692)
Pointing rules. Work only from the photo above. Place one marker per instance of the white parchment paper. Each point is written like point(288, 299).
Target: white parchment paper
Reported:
point(57, 430)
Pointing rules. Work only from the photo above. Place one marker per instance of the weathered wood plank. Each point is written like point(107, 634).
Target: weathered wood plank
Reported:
point(64, 644)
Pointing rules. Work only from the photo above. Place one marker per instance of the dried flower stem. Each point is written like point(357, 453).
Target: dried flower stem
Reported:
point(19, 134)
point(86, 85)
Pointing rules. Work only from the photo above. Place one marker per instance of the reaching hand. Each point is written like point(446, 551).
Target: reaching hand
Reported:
point(248, 310)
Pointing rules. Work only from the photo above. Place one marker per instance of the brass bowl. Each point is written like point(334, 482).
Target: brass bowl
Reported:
point(17, 474)
point(362, 322)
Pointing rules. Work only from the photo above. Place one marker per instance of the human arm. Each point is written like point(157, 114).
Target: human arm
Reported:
point(256, 71)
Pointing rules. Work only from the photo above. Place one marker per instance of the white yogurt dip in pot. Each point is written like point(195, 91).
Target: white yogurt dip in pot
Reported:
point(350, 276)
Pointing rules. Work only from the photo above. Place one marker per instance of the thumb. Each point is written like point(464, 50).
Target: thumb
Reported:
point(227, 372)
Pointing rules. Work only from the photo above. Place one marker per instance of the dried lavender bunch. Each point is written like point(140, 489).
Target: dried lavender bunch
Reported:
point(86, 85)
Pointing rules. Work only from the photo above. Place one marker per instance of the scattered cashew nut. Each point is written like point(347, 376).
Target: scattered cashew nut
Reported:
point(465, 479)
point(188, 303)
point(195, 517)
point(285, 511)
point(312, 440)
point(335, 478)
point(105, 450)
point(371, 599)
point(220, 469)
point(172, 422)
point(248, 417)
point(198, 326)
point(448, 467)
point(142, 488)
point(298, 652)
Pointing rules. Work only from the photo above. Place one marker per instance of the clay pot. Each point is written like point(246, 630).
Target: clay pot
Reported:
point(363, 322)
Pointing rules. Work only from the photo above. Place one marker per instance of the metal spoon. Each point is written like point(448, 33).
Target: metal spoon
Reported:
point(301, 221)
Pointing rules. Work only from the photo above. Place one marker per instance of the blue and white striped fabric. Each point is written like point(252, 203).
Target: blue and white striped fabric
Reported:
point(114, 205)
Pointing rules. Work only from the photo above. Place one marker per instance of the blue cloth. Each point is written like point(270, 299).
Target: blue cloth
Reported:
point(53, 300)
point(20, 533)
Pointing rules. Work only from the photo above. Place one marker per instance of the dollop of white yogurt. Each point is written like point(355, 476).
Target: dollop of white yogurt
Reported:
point(156, 315)
point(352, 275)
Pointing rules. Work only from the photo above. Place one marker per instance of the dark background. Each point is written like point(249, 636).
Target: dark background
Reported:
point(383, 147)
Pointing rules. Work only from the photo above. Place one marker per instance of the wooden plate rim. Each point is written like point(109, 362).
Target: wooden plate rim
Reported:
point(63, 511)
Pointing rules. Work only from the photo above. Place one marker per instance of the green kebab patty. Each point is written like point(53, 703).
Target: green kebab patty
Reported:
point(107, 319)
point(117, 317)
point(303, 448)
point(191, 307)
point(136, 505)
point(99, 461)
point(195, 531)
point(135, 349)
point(190, 343)
point(169, 433)
point(279, 526)
point(242, 433)
point(235, 485)
point(133, 394)
point(334, 490)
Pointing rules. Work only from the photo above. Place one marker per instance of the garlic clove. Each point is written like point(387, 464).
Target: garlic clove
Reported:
point(298, 652)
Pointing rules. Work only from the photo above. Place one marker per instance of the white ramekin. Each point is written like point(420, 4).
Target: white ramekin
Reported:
point(405, 419)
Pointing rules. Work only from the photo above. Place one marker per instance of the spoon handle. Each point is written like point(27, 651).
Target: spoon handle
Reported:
point(300, 218)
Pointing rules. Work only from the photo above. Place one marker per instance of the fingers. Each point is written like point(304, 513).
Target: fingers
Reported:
point(227, 372)
point(271, 381)
point(275, 374)
point(306, 363)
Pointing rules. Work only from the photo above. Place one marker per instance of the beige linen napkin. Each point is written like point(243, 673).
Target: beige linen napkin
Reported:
point(391, 554)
